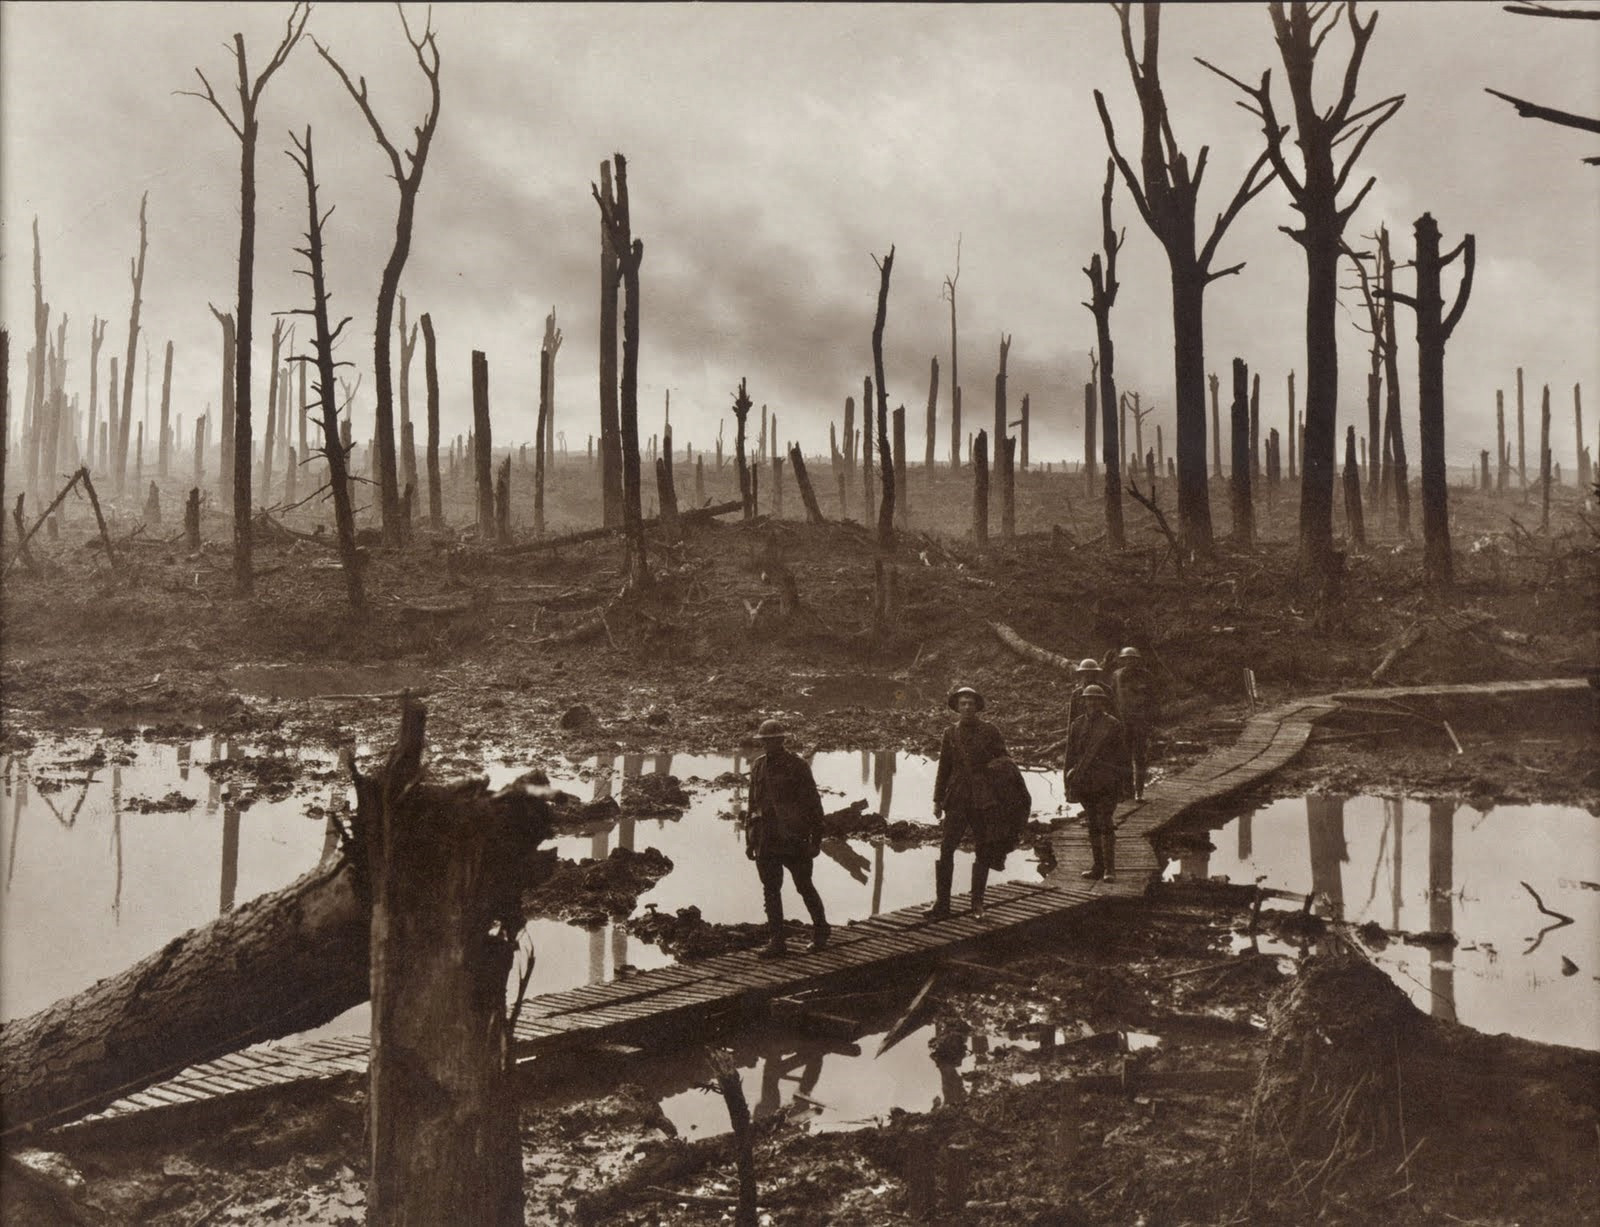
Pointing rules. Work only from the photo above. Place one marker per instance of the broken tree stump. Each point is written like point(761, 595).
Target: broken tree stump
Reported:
point(191, 520)
point(445, 866)
point(808, 496)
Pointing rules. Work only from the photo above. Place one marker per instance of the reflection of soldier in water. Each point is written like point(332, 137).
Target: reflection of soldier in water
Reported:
point(776, 1068)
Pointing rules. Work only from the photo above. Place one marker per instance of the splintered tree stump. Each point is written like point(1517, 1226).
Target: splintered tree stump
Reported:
point(445, 865)
point(802, 478)
point(980, 490)
point(191, 520)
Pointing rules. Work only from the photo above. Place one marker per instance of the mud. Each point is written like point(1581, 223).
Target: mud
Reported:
point(1079, 1129)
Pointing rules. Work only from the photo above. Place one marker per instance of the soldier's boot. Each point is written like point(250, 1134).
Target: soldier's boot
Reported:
point(820, 932)
point(944, 873)
point(1098, 869)
point(1109, 856)
point(980, 879)
point(777, 945)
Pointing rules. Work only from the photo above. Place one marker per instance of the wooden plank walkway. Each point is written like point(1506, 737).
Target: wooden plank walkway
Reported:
point(686, 998)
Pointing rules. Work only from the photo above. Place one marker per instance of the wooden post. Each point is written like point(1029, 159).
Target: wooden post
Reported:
point(1243, 513)
point(802, 479)
point(481, 437)
point(980, 490)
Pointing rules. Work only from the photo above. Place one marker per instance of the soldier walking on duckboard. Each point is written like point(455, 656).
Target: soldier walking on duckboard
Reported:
point(784, 832)
point(1096, 771)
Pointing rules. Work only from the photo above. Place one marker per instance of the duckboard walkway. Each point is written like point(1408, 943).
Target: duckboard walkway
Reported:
point(686, 999)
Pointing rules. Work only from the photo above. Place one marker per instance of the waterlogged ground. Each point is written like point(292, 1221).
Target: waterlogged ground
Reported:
point(113, 846)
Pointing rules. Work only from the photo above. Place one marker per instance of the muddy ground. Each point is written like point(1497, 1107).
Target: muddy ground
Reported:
point(527, 656)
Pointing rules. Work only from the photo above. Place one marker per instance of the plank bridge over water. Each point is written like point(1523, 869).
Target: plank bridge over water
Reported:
point(697, 997)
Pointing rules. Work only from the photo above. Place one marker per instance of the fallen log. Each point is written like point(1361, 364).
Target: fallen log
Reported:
point(693, 516)
point(282, 963)
point(1022, 647)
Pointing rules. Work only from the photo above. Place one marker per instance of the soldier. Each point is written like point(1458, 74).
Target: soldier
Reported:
point(784, 832)
point(1133, 694)
point(1086, 672)
point(1096, 769)
point(964, 797)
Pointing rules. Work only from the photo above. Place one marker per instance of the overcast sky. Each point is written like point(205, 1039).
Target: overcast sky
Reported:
point(772, 151)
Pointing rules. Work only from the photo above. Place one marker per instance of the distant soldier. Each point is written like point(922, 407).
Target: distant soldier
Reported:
point(1133, 695)
point(1086, 672)
point(965, 797)
point(1096, 770)
point(784, 832)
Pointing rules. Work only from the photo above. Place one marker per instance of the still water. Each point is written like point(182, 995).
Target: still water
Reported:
point(95, 879)
point(1439, 867)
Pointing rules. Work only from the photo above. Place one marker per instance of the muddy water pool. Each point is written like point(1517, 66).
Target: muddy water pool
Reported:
point(1440, 867)
point(113, 847)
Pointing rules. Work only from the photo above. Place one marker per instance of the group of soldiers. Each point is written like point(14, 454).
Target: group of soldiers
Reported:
point(1107, 748)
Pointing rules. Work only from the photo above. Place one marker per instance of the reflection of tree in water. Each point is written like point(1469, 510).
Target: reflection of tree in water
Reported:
point(883, 762)
point(1245, 844)
point(184, 753)
point(1325, 830)
point(116, 841)
point(1394, 813)
point(230, 855)
point(1441, 905)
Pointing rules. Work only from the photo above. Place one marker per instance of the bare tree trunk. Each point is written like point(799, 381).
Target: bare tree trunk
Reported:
point(1090, 412)
point(551, 345)
point(430, 366)
point(408, 452)
point(1352, 491)
point(1584, 469)
point(948, 290)
point(1244, 527)
point(407, 170)
point(1522, 444)
point(1294, 441)
point(41, 346)
point(1255, 429)
point(886, 459)
point(538, 449)
point(1216, 428)
point(741, 410)
point(502, 504)
point(850, 434)
point(126, 419)
point(610, 431)
point(335, 448)
point(980, 491)
point(933, 414)
point(1544, 461)
point(1008, 489)
point(1502, 460)
point(1001, 425)
point(482, 464)
point(1102, 295)
point(802, 479)
point(868, 507)
point(165, 455)
point(1392, 421)
point(902, 484)
point(225, 434)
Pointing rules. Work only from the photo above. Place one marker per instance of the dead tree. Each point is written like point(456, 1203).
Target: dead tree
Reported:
point(948, 290)
point(610, 431)
point(1008, 488)
point(1103, 287)
point(335, 450)
point(1167, 195)
point(1522, 441)
point(1300, 31)
point(630, 252)
point(1001, 415)
point(1244, 520)
point(802, 478)
point(1584, 468)
point(406, 168)
point(1216, 428)
point(540, 423)
point(868, 505)
point(741, 410)
point(1394, 463)
point(482, 444)
point(1503, 461)
point(1544, 461)
point(164, 457)
point(272, 415)
point(550, 344)
point(246, 129)
point(1255, 429)
point(502, 504)
point(980, 491)
point(933, 413)
point(902, 484)
point(408, 436)
point(41, 345)
point(1433, 331)
point(125, 420)
point(430, 367)
point(1375, 307)
point(885, 452)
point(1294, 441)
point(1352, 491)
point(850, 435)
point(97, 336)
point(667, 489)
point(230, 354)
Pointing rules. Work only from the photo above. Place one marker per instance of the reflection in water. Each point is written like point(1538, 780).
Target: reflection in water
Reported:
point(1467, 885)
point(1244, 838)
point(1441, 896)
point(230, 856)
point(116, 839)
